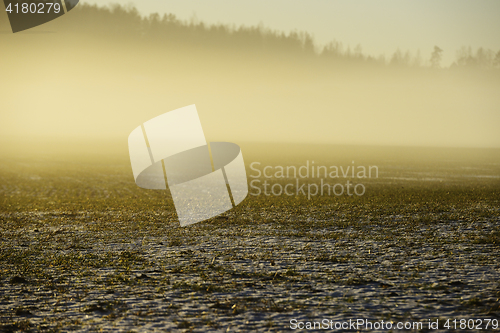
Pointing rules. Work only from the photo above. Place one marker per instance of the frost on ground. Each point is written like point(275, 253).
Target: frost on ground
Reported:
point(105, 255)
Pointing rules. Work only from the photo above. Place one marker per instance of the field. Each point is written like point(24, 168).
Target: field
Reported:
point(82, 248)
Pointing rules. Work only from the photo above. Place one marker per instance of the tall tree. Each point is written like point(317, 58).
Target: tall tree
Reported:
point(436, 57)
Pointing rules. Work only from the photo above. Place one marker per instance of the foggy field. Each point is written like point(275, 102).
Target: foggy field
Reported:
point(83, 248)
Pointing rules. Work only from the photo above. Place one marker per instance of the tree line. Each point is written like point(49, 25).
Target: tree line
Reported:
point(126, 23)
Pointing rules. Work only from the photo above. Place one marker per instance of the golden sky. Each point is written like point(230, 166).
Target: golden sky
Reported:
point(380, 27)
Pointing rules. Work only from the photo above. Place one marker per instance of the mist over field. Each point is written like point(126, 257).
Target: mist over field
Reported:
point(97, 73)
point(83, 248)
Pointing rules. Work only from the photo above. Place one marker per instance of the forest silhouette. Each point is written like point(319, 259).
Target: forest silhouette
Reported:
point(126, 23)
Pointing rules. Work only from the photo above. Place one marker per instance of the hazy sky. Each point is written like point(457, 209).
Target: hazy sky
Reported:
point(378, 26)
